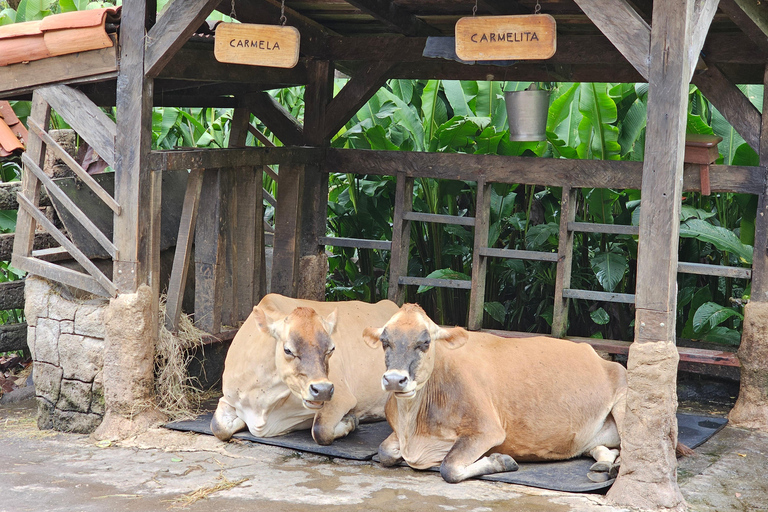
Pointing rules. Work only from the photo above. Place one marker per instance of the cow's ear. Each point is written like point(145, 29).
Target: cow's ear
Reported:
point(330, 321)
point(371, 336)
point(453, 337)
point(267, 324)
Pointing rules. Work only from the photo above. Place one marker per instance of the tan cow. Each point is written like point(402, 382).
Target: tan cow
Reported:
point(473, 402)
point(296, 364)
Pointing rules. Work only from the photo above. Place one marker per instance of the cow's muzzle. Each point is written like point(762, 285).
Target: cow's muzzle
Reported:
point(318, 392)
point(399, 383)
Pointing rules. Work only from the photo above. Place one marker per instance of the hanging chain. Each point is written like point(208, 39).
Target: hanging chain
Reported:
point(283, 19)
point(474, 9)
point(536, 10)
point(233, 14)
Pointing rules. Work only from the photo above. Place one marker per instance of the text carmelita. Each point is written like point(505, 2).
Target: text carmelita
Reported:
point(249, 43)
point(505, 37)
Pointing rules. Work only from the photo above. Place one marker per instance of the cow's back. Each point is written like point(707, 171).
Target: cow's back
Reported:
point(552, 395)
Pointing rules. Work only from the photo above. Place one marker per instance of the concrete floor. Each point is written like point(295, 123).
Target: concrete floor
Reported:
point(165, 470)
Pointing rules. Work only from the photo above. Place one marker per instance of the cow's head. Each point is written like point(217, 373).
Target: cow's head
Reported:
point(409, 340)
point(303, 349)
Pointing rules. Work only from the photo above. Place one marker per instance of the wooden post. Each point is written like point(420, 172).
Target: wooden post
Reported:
point(564, 261)
point(401, 237)
point(751, 409)
point(210, 251)
point(648, 475)
point(479, 263)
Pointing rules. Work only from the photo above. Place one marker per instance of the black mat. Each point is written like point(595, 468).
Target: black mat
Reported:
point(363, 444)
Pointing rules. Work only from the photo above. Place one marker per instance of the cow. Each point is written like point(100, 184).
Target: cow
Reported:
point(296, 364)
point(475, 403)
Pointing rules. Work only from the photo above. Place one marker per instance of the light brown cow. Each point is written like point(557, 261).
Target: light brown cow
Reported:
point(296, 364)
point(473, 402)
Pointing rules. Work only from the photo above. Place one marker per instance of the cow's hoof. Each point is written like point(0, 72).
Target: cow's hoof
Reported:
point(503, 462)
point(598, 478)
point(601, 466)
point(614, 472)
point(352, 420)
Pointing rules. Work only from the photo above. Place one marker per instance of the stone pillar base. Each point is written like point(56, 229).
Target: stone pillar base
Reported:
point(116, 426)
point(648, 475)
point(751, 409)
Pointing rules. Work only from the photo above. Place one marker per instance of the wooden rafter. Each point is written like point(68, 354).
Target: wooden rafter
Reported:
point(355, 94)
point(501, 7)
point(751, 17)
point(703, 13)
point(177, 23)
point(276, 118)
point(395, 17)
point(620, 23)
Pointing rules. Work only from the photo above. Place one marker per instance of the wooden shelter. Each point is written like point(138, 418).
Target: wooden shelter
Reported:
point(158, 61)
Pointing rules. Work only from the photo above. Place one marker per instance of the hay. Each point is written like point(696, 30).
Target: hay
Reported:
point(202, 493)
point(178, 395)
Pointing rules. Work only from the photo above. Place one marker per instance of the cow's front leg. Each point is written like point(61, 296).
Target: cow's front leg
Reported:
point(334, 420)
point(606, 464)
point(389, 451)
point(465, 459)
point(225, 421)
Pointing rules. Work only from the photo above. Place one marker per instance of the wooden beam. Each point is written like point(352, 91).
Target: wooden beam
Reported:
point(88, 120)
point(12, 294)
point(60, 274)
point(732, 103)
point(760, 254)
point(479, 262)
point(502, 7)
point(209, 252)
point(751, 17)
point(620, 23)
point(703, 13)
point(531, 171)
point(133, 181)
point(395, 17)
point(208, 158)
point(178, 21)
point(277, 118)
point(354, 95)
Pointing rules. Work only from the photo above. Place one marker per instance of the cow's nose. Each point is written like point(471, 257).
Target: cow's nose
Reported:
point(321, 391)
point(394, 381)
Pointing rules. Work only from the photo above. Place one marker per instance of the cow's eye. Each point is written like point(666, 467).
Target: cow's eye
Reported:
point(288, 352)
point(424, 345)
point(385, 344)
point(331, 351)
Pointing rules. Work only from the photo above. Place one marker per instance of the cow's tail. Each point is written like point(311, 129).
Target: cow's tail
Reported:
point(683, 451)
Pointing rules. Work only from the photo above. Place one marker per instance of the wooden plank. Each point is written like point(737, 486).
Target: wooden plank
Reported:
point(72, 164)
point(84, 117)
point(356, 243)
point(395, 18)
point(501, 7)
point(268, 197)
point(94, 65)
point(751, 18)
point(208, 158)
point(731, 102)
point(181, 257)
point(401, 237)
point(456, 284)
point(611, 229)
point(487, 38)
point(254, 44)
point(60, 274)
point(52, 254)
point(73, 209)
point(656, 290)
point(703, 13)
point(624, 298)
point(620, 23)
point(516, 254)
point(13, 337)
point(285, 265)
point(436, 218)
point(703, 269)
point(479, 261)
point(277, 118)
point(30, 185)
point(209, 253)
point(551, 172)
point(178, 21)
point(12, 295)
point(760, 251)
point(260, 136)
point(568, 207)
point(76, 253)
point(687, 354)
point(360, 88)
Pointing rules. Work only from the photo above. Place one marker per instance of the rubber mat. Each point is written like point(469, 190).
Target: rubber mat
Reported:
point(363, 444)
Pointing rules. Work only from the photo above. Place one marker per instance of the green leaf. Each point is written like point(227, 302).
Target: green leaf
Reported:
point(722, 238)
point(598, 136)
point(632, 126)
point(496, 310)
point(710, 315)
point(8, 221)
point(407, 117)
point(458, 97)
point(7, 16)
point(600, 316)
point(723, 335)
point(609, 268)
point(444, 273)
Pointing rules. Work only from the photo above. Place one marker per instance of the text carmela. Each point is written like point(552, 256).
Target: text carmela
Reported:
point(249, 43)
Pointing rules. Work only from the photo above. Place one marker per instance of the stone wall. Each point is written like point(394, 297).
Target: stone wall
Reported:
point(66, 338)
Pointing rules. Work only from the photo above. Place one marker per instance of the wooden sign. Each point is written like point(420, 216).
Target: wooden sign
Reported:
point(257, 45)
point(531, 37)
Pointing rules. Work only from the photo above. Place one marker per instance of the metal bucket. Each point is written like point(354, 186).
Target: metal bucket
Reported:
point(527, 114)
